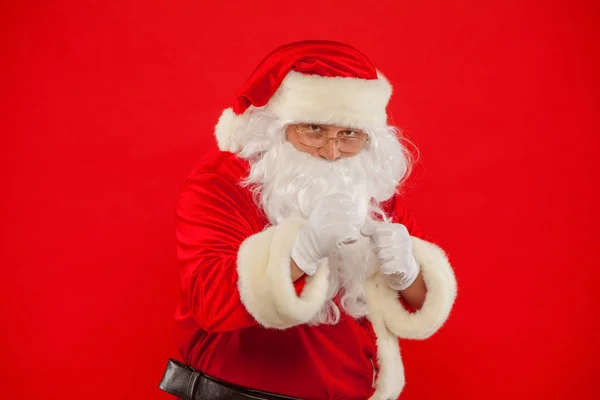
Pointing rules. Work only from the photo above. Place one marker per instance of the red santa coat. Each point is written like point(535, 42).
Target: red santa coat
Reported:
point(240, 318)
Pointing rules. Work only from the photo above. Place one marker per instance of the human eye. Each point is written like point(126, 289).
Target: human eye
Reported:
point(309, 128)
point(350, 133)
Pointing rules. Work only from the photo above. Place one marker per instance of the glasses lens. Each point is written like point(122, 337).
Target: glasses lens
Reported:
point(350, 145)
point(313, 139)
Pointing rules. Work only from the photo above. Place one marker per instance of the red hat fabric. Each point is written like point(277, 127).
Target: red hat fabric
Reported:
point(314, 57)
point(310, 81)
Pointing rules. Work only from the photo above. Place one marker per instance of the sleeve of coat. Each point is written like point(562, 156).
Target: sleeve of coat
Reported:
point(439, 279)
point(214, 218)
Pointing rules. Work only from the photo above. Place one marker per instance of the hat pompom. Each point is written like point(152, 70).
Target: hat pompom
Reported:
point(226, 129)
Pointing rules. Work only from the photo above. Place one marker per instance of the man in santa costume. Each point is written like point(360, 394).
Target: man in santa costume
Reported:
point(300, 266)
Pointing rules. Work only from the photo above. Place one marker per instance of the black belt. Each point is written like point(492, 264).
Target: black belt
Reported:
point(185, 382)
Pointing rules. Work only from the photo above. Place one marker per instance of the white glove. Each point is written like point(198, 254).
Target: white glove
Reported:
point(393, 247)
point(333, 223)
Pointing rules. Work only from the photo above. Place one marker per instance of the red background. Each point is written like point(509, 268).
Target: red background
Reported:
point(107, 107)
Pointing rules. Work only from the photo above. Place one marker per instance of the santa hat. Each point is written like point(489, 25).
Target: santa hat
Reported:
point(310, 81)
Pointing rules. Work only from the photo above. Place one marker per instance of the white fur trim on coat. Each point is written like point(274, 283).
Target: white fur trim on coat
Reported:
point(265, 282)
point(390, 376)
point(441, 292)
point(348, 102)
point(391, 320)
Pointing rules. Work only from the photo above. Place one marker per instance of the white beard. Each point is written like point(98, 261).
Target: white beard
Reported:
point(292, 183)
point(288, 183)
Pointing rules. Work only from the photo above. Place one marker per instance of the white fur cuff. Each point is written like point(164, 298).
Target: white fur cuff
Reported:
point(265, 282)
point(390, 319)
point(441, 293)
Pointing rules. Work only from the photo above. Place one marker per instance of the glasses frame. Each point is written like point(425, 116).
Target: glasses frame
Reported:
point(336, 139)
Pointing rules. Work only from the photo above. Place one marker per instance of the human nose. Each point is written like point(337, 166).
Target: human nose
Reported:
point(329, 151)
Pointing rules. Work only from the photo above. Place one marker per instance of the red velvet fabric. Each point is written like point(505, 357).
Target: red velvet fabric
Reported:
point(311, 57)
point(216, 334)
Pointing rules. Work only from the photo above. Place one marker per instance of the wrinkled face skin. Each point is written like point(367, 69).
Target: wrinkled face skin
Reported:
point(329, 151)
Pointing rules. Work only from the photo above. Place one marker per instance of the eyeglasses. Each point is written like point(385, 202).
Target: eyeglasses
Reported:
point(346, 141)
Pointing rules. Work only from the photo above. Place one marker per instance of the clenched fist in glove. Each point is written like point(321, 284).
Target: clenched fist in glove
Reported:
point(393, 247)
point(333, 223)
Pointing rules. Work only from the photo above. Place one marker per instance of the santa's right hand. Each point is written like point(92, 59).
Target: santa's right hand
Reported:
point(332, 224)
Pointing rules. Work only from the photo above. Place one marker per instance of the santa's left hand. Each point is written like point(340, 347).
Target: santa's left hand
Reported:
point(393, 247)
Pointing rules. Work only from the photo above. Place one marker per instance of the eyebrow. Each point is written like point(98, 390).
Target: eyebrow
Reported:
point(328, 127)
